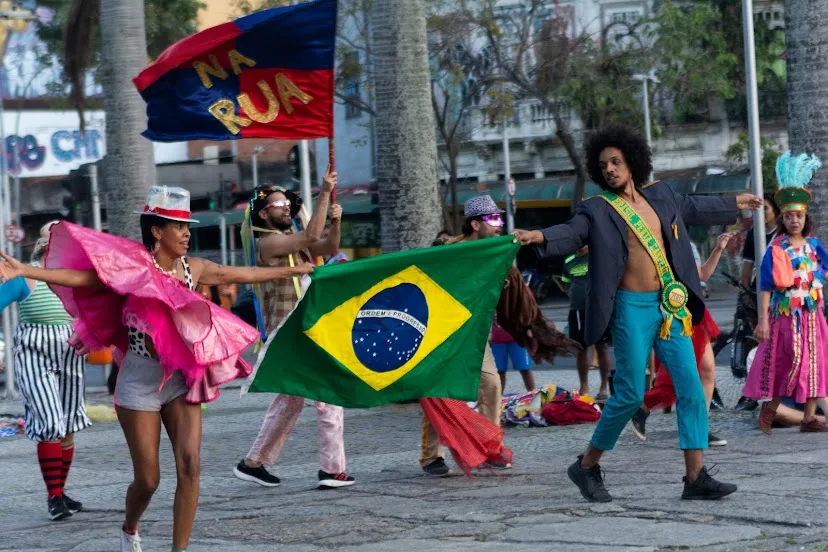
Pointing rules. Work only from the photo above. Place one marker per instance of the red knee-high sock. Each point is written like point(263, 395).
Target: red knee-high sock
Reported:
point(50, 457)
point(68, 454)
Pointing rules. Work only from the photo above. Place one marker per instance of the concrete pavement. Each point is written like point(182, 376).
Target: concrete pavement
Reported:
point(783, 482)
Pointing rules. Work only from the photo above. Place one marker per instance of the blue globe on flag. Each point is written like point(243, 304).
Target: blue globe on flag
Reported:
point(389, 327)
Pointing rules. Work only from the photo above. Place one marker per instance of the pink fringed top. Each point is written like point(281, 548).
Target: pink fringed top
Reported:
point(189, 333)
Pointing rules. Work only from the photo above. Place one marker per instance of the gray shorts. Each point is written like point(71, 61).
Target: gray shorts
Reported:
point(138, 385)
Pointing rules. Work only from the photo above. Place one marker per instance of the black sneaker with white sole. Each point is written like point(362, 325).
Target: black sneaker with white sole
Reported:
point(58, 509)
point(438, 468)
point(714, 440)
point(639, 424)
point(334, 480)
point(255, 475)
point(706, 488)
point(73, 505)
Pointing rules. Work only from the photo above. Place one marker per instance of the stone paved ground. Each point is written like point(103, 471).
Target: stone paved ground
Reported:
point(783, 483)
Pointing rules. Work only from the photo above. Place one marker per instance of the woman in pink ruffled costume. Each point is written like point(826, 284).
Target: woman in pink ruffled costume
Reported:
point(792, 358)
point(176, 348)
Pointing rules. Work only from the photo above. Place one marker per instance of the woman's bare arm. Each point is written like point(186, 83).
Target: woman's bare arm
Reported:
point(12, 268)
point(210, 273)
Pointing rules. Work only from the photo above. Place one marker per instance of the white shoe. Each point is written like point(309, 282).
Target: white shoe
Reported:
point(130, 543)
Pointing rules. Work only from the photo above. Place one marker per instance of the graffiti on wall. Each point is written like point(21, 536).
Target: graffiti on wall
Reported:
point(53, 153)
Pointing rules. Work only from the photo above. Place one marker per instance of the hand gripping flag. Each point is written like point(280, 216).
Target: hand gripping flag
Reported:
point(265, 75)
point(390, 328)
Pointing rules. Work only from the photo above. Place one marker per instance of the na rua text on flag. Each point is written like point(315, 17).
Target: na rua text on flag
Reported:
point(266, 75)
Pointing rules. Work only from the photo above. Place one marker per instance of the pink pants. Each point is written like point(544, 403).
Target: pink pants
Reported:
point(279, 422)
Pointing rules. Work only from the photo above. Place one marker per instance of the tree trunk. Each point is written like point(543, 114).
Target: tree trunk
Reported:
point(407, 183)
point(129, 167)
point(455, 208)
point(807, 41)
point(564, 134)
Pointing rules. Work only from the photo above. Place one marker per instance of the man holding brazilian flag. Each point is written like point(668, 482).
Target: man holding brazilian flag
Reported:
point(391, 328)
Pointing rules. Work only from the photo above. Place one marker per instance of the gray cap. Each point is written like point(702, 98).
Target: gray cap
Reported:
point(480, 205)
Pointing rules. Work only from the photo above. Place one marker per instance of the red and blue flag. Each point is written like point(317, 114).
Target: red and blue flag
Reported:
point(266, 75)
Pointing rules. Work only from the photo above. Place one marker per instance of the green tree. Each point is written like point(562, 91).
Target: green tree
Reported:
point(591, 76)
point(167, 21)
point(739, 153)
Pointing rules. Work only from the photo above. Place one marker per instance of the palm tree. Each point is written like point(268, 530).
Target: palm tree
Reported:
point(807, 40)
point(410, 211)
point(129, 167)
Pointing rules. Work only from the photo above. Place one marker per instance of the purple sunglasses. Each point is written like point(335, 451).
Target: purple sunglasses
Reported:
point(493, 220)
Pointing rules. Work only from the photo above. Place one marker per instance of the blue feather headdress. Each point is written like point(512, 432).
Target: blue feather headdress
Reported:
point(794, 174)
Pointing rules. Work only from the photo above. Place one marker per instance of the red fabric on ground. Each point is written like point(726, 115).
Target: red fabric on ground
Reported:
point(663, 393)
point(470, 437)
point(570, 413)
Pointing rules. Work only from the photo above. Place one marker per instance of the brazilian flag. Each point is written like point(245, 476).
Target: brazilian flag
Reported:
point(390, 328)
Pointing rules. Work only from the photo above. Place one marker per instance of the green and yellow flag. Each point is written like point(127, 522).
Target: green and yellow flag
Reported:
point(390, 328)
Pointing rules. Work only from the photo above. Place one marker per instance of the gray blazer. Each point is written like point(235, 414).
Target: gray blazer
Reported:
point(598, 225)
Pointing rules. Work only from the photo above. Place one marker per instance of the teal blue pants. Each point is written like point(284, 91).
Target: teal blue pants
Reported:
point(635, 327)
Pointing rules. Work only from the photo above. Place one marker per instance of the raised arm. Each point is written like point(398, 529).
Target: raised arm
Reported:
point(281, 245)
point(709, 267)
point(330, 243)
point(210, 273)
point(12, 268)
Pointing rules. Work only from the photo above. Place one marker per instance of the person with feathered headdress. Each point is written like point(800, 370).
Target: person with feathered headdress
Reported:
point(792, 358)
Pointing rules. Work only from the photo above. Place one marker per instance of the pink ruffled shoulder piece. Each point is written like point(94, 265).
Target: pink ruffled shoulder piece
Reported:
point(190, 333)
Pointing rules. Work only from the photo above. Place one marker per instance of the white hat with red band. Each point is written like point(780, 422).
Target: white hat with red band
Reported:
point(168, 203)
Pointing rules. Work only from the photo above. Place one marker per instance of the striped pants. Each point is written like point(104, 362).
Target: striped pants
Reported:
point(50, 378)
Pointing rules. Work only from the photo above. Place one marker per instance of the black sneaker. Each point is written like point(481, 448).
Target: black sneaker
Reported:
point(639, 424)
point(73, 505)
point(706, 488)
point(437, 468)
point(58, 509)
point(334, 480)
point(497, 464)
point(746, 404)
point(590, 482)
point(714, 440)
point(255, 475)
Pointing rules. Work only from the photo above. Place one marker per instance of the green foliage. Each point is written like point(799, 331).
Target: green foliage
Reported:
point(739, 153)
point(688, 47)
point(167, 21)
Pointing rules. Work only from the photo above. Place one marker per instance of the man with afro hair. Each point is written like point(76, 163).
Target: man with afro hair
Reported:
point(644, 284)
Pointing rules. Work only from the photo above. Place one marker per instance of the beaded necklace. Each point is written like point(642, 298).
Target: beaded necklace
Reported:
point(172, 272)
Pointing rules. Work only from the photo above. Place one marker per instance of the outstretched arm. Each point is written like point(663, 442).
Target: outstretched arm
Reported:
point(711, 210)
point(12, 268)
point(210, 273)
point(561, 239)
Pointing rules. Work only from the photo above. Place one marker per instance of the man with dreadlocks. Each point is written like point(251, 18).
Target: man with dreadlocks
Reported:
point(272, 213)
point(643, 281)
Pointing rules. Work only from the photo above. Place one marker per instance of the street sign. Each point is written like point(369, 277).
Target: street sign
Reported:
point(511, 187)
point(14, 234)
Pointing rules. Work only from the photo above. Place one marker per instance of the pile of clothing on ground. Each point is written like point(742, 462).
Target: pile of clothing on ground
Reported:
point(10, 426)
point(549, 405)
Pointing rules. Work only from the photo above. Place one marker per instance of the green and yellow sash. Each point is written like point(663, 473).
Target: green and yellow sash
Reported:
point(674, 294)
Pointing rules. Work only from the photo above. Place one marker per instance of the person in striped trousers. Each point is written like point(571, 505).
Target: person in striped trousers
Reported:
point(49, 376)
